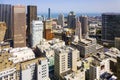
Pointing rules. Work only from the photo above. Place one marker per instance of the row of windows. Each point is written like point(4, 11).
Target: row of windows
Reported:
point(8, 78)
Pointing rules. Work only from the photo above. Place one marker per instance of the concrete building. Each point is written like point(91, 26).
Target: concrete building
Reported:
point(21, 54)
point(21, 62)
point(19, 26)
point(92, 29)
point(31, 15)
point(86, 47)
point(79, 75)
point(107, 64)
point(84, 25)
point(94, 72)
point(2, 31)
point(35, 69)
point(6, 16)
point(110, 27)
point(117, 42)
point(78, 31)
point(71, 20)
point(61, 20)
point(65, 60)
point(8, 70)
point(48, 32)
point(36, 32)
point(46, 48)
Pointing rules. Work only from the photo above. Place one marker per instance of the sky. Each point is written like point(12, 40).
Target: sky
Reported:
point(65, 6)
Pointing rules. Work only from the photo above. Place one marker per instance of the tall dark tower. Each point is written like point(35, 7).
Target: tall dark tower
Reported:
point(110, 27)
point(31, 15)
point(19, 26)
point(49, 14)
point(6, 16)
point(71, 19)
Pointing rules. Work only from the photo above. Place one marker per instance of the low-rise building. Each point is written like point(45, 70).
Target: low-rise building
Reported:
point(16, 63)
point(70, 75)
point(86, 46)
point(46, 48)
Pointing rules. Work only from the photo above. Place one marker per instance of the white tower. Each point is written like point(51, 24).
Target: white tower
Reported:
point(36, 32)
point(61, 20)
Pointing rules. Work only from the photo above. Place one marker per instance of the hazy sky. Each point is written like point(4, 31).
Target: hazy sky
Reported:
point(81, 6)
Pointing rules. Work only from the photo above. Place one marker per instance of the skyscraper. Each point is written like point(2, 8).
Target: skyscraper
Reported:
point(31, 15)
point(49, 13)
point(84, 25)
point(6, 16)
point(71, 20)
point(110, 27)
point(19, 26)
point(61, 20)
point(78, 30)
point(36, 32)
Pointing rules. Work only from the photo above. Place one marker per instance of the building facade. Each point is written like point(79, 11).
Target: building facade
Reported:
point(71, 20)
point(6, 16)
point(110, 27)
point(94, 72)
point(86, 47)
point(48, 32)
point(84, 25)
point(117, 42)
point(2, 31)
point(31, 15)
point(16, 63)
point(65, 60)
point(78, 29)
point(36, 32)
point(19, 26)
point(61, 20)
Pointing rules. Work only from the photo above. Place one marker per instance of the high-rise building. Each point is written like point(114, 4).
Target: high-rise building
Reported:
point(31, 15)
point(6, 16)
point(117, 42)
point(19, 26)
point(2, 31)
point(36, 32)
point(110, 27)
point(61, 20)
point(71, 20)
point(78, 30)
point(84, 25)
point(49, 13)
point(48, 33)
point(65, 60)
